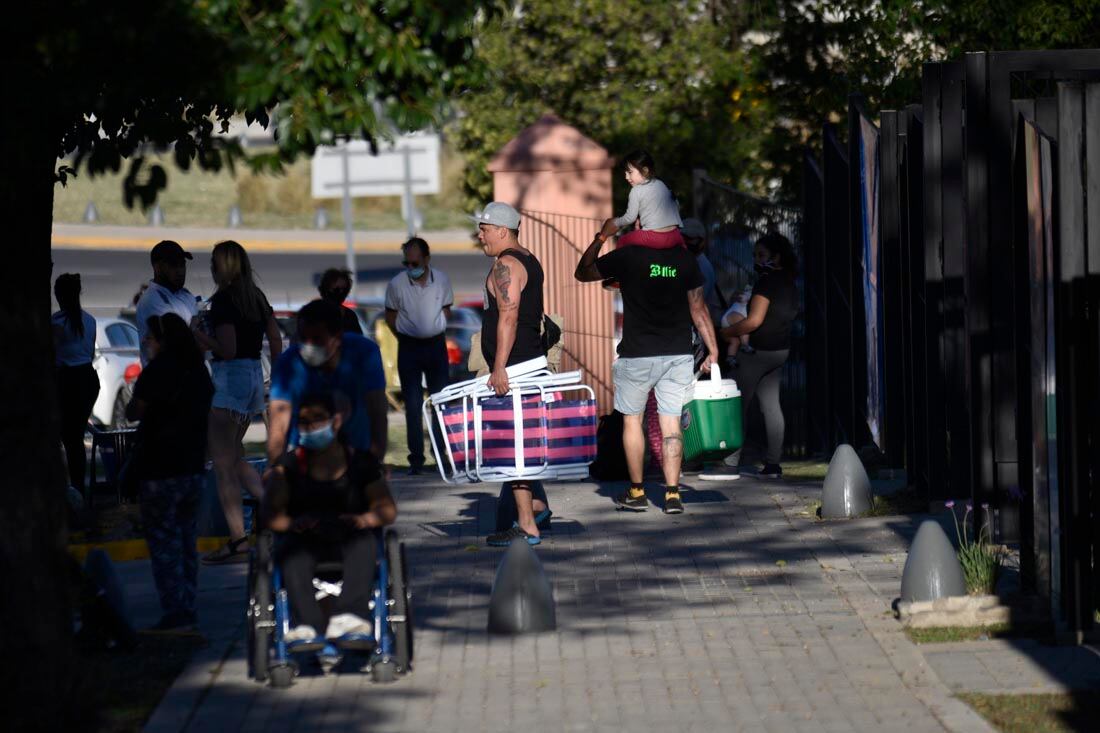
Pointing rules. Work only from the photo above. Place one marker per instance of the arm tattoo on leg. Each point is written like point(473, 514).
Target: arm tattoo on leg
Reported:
point(502, 276)
point(673, 446)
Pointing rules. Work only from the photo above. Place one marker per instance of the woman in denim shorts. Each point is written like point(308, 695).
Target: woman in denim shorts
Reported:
point(233, 331)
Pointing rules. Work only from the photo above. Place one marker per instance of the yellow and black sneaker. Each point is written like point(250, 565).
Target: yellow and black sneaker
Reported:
point(633, 499)
point(673, 505)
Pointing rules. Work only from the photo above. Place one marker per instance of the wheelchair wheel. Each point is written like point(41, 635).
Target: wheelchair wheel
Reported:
point(401, 621)
point(260, 614)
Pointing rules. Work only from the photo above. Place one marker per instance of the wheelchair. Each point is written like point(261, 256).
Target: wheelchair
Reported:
point(391, 652)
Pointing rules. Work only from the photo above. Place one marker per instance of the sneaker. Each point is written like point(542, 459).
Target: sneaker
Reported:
point(303, 638)
point(632, 503)
point(348, 625)
point(771, 470)
point(673, 505)
point(515, 532)
point(720, 473)
point(232, 551)
point(543, 516)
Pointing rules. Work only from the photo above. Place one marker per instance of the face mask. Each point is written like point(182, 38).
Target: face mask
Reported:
point(313, 355)
point(417, 272)
point(318, 439)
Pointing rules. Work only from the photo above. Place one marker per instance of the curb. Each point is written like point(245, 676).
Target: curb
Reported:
point(126, 550)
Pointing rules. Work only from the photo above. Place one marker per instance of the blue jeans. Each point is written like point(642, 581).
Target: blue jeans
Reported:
point(420, 360)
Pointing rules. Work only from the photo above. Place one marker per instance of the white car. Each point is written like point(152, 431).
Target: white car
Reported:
point(118, 363)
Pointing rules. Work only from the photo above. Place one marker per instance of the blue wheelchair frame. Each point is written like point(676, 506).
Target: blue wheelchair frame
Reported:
point(271, 615)
point(383, 645)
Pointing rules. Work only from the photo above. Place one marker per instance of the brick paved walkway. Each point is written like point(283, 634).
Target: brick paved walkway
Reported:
point(742, 614)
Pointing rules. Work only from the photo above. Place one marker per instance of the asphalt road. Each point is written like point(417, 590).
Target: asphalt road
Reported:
point(110, 278)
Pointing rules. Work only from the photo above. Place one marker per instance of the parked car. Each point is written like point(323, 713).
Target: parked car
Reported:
point(117, 362)
point(461, 327)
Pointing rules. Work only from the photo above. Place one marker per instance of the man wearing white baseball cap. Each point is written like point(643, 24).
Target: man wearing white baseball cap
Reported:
point(511, 333)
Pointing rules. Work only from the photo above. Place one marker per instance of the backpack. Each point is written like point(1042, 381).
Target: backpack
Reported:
point(610, 463)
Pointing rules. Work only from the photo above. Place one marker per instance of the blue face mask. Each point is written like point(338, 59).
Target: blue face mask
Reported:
point(417, 272)
point(318, 439)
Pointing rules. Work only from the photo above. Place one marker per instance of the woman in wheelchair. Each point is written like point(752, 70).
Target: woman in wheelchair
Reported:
point(326, 501)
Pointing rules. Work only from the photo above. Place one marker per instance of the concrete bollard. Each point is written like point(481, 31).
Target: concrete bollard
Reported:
point(235, 220)
point(847, 489)
point(91, 213)
point(932, 569)
point(320, 219)
point(521, 601)
point(156, 216)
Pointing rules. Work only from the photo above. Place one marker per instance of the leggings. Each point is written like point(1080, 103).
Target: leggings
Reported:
point(651, 239)
point(299, 557)
point(77, 389)
point(758, 374)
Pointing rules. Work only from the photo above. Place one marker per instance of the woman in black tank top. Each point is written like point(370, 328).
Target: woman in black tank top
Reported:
point(528, 343)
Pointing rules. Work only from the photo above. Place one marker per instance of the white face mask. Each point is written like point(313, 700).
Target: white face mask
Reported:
point(313, 355)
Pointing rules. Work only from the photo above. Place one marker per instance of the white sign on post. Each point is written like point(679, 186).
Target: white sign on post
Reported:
point(407, 166)
point(384, 174)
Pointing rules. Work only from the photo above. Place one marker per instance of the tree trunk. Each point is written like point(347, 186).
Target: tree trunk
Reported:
point(36, 643)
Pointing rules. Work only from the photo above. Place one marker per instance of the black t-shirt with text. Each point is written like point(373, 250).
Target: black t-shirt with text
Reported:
point(654, 284)
point(172, 433)
point(250, 333)
point(774, 334)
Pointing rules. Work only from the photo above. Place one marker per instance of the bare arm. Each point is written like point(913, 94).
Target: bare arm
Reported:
point(587, 271)
point(274, 337)
point(375, 404)
point(700, 316)
point(758, 310)
point(391, 320)
point(278, 427)
point(507, 283)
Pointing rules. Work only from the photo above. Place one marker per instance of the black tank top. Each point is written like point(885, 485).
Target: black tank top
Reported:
point(528, 343)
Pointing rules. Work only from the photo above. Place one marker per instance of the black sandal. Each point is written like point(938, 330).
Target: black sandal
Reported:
point(229, 552)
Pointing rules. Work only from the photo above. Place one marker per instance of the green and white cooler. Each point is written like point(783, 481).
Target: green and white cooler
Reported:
point(711, 419)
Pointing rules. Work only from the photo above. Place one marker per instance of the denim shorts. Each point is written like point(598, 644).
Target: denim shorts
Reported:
point(670, 378)
point(239, 386)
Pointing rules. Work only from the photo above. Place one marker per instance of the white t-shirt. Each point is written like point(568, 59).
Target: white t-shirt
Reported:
point(420, 307)
point(158, 300)
point(70, 348)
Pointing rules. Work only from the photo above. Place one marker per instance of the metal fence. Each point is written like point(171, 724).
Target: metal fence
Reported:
point(588, 312)
point(734, 221)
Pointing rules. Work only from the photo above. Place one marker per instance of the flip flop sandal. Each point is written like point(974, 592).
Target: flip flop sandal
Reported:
point(229, 552)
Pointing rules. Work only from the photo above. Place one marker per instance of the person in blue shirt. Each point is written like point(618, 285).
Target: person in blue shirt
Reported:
point(328, 360)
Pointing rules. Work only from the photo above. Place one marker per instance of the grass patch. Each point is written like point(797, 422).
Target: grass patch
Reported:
point(202, 199)
point(804, 470)
point(125, 687)
point(903, 501)
point(1051, 713)
point(960, 633)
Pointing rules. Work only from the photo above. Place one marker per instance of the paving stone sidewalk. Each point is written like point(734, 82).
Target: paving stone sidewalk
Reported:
point(743, 614)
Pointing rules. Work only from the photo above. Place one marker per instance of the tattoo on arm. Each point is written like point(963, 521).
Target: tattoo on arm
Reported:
point(502, 277)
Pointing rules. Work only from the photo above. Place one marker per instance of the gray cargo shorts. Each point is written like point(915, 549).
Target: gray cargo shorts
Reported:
point(670, 378)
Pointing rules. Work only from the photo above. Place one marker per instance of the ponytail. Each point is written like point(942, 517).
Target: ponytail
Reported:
point(67, 291)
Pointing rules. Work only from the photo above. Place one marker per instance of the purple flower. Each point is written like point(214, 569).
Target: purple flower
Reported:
point(949, 504)
point(969, 507)
point(985, 505)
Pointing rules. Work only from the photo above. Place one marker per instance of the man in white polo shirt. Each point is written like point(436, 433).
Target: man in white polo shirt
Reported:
point(418, 304)
point(166, 293)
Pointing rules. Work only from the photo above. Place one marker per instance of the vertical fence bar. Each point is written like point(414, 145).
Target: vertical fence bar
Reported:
point(893, 291)
point(839, 297)
point(820, 424)
point(917, 305)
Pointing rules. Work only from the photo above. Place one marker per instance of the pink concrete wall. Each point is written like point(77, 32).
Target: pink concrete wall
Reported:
point(550, 166)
